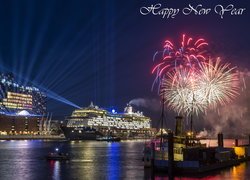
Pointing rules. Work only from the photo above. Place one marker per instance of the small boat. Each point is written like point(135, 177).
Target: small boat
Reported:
point(108, 138)
point(57, 155)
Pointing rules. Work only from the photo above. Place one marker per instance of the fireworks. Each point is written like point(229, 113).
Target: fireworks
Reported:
point(190, 54)
point(219, 81)
point(191, 90)
point(181, 92)
point(190, 82)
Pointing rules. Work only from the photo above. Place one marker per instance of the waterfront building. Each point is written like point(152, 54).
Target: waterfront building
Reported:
point(21, 107)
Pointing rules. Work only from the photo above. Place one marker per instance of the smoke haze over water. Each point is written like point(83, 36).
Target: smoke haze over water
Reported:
point(232, 119)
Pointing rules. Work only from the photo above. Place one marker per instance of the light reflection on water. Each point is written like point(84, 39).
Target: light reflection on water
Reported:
point(113, 161)
point(239, 172)
point(90, 160)
point(55, 168)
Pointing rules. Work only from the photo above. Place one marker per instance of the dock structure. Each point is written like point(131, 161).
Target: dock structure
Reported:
point(180, 152)
point(183, 155)
point(170, 153)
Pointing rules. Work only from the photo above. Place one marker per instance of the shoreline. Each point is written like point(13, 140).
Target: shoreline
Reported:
point(51, 137)
point(31, 137)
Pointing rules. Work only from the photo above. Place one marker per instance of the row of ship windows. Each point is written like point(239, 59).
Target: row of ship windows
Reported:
point(133, 126)
point(117, 124)
point(109, 123)
point(121, 127)
point(111, 120)
point(116, 120)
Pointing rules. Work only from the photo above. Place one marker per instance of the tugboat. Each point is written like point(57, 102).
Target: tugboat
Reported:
point(178, 153)
point(57, 155)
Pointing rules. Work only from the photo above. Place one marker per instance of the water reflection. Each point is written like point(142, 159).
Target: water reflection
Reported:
point(90, 160)
point(113, 160)
point(16, 158)
point(83, 162)
point(55, 169)
point(239, 172)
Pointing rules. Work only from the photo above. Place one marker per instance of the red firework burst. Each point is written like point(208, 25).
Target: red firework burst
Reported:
point(190, 54)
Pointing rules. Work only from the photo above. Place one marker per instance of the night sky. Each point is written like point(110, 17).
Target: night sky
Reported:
point(102, 51)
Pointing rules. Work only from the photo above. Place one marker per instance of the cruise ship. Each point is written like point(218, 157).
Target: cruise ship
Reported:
point(92, 122)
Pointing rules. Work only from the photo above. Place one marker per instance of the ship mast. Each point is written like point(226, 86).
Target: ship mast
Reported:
point(162, 118)
point(191, 116)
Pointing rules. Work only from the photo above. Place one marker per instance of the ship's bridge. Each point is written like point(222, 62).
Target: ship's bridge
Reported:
point(87, 112)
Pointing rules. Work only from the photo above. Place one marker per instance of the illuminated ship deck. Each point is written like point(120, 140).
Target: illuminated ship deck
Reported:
point(93, 116)
point(94, 119)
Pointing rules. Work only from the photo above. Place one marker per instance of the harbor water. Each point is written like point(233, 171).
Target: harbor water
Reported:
point(25, 159)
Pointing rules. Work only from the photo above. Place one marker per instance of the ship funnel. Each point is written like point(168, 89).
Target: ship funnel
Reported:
point(128, 109)
point(178, 126)
point(91, 104)
point(220, 140)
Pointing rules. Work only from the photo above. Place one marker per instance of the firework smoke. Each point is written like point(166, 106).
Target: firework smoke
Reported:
point(232, 119)
point(152, 104)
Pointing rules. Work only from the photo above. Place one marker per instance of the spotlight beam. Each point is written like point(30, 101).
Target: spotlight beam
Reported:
point(40, 38)
point(60, 62)
point(50, 94)
point(26, 32)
